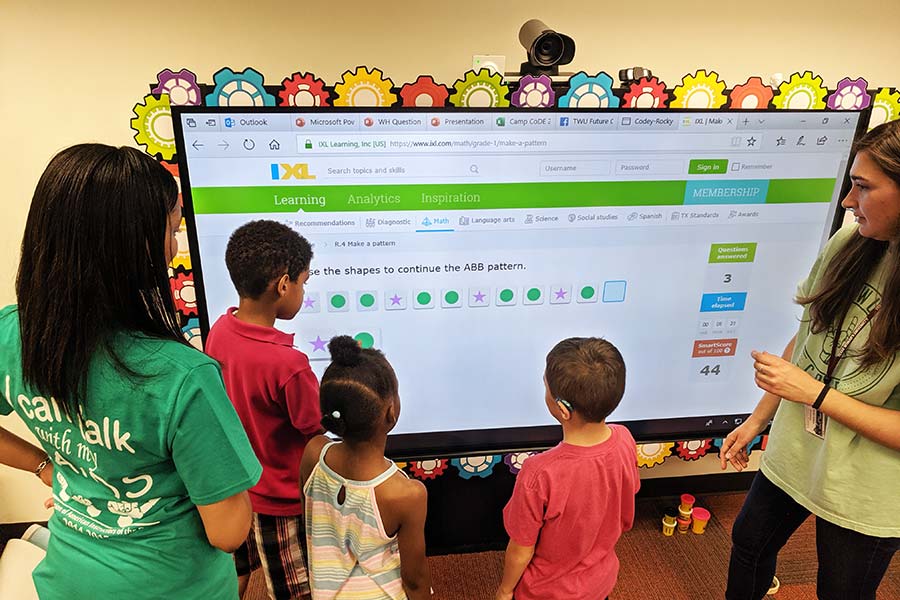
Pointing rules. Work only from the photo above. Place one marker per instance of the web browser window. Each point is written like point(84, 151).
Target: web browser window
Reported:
point(466, 244)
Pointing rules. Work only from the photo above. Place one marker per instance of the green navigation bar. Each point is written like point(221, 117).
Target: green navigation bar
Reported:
point(484, 196)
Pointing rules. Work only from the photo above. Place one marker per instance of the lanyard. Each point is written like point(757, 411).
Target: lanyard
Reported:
point(837, 353)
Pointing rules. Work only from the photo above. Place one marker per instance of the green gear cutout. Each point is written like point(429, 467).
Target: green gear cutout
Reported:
point(153, 124)
point(481, 90)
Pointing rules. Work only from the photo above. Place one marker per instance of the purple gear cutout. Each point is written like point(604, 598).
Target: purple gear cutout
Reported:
point(849, 89)
point(181, 87)
point(530, 83)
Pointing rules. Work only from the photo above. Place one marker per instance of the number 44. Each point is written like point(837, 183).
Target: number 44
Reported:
point(710, 370)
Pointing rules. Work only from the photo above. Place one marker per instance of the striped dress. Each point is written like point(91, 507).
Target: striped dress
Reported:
point(350, 555)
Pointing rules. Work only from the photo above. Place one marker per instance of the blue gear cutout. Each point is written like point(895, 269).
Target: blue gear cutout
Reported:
point(476, 466)
point(232, 87)
point(582, 87)
point(191, 332)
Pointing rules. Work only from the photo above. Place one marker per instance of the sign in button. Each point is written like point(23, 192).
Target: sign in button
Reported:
point(723, 302)
point(708, 166)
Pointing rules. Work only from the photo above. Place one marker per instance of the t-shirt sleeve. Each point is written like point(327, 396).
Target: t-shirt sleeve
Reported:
point(301, 399)
point(209, 446)
point(523, 516)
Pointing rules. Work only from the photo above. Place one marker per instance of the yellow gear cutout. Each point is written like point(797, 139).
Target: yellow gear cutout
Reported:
point(153, 124)
point(801, 92)
point(649, 455)
point(701, 90)
point(364, 88)
point(885, 107)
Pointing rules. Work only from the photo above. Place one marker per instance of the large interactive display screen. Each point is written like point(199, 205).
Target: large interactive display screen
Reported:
point(466, 243)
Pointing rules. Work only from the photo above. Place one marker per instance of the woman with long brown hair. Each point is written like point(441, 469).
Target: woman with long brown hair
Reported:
point(834, 447)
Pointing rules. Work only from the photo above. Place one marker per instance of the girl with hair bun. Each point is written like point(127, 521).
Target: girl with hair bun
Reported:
point(365, 520)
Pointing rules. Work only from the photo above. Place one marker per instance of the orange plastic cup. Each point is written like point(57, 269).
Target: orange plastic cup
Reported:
point(701, 518)
point(683, 525)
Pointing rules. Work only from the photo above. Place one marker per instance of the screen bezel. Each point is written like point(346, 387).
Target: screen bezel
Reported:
point(480, 441)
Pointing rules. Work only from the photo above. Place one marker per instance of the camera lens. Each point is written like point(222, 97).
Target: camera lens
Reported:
point(548, 49)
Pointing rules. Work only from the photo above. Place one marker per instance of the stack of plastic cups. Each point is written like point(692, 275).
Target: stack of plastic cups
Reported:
point(685, 509)
point(669, 521)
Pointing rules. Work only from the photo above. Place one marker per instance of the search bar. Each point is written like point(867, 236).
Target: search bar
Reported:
point(574, 168)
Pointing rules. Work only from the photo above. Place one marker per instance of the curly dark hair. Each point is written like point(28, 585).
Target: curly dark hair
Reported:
point(588, 373)
point(261, 251)
point(355, 388)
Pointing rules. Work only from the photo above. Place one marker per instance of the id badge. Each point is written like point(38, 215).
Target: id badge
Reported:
point(815, 422)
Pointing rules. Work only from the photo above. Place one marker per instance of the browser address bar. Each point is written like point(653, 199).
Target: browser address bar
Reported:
point(512, 143)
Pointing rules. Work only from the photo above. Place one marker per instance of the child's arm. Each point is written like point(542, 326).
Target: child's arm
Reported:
point(517, 558)
point(411, 538)
point(301, 398)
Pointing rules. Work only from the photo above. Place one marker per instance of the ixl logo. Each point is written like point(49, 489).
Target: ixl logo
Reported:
point(295, 171)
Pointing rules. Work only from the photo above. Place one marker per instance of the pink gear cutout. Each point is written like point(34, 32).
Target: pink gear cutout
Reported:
point(643, 88)
point(303, 84)
point(424, 85)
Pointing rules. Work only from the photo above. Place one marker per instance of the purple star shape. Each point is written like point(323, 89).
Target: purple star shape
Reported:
point(309, 303)
point(479, 297)
point(318, 344)
point(560, 294)
point(395, 300)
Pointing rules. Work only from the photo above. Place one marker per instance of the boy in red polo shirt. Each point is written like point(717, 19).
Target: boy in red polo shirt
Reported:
point(571, 504)
point(275, 393)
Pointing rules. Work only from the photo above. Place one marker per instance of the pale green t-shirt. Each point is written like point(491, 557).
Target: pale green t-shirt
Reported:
point(846, 478)
point(128, 477)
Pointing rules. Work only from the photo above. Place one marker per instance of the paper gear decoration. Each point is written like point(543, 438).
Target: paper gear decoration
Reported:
point(650, 455)
point(362, 87)
point(804, 91)
point(153, 124)
point(534, 92)
point(646, 93)
point(303, 89)
point(850, 95)
point(885, 107)
point(475, 466)
point(424, 92)
point(181, 87)
point(480, 90)
point(700, 90)
point(751, 95)
point(246, 88)
point(590, 92)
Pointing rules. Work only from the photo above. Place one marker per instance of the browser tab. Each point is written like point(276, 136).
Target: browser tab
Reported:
point(461, 122)
point(269, 122)
point(518, 122)
point(648, 123)
point(326, 123)
point(586, 122)
point(394, 122)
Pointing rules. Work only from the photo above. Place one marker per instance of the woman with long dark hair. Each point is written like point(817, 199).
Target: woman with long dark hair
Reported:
point(148, 461)
point(834, 447)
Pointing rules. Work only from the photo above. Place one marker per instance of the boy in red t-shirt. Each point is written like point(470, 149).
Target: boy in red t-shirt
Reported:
point(275, 394)
point(571, 504)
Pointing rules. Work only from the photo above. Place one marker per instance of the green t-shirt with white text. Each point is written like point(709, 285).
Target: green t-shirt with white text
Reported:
point(846, 479)
point(129, 474)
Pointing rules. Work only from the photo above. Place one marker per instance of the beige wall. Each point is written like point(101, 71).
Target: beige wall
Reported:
point(71, 71)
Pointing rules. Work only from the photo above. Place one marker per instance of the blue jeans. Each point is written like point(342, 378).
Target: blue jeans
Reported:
point(851, 564)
